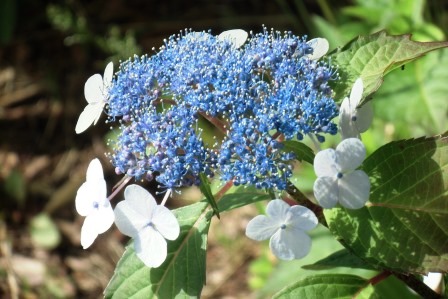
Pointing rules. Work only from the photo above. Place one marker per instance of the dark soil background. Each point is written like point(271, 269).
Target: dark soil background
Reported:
point(48, 49)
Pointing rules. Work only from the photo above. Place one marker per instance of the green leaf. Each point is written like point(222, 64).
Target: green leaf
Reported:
point(236, 200)
point(341, 258)
point(372, 57)
point(207, 191)
point(182, 275)
point(330, 286)
point(44, 231)
point(415, 99)
point(15, 186)
point(326, 286)
point(301, 150)
point(404, 227)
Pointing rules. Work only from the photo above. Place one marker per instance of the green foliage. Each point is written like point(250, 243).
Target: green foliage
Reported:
point(207, 191)
point(76, 27)
point(404, 227)
point(372, 57)
point(183, 272)
point(301, 150)
point(344, 286)
point(7, 20)
point(44, 232)
point(15, 186)
point(235, 200)
point(341, 258)
point(415, 99)
point(324, 286)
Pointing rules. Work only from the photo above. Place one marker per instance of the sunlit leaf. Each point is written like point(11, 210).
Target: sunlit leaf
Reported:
point(415, 99)
point(372, 57)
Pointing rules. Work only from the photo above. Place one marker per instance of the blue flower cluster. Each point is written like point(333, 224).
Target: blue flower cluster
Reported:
point(267, 89)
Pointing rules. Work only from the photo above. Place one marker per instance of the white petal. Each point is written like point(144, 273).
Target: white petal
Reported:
point(90, 115)
point(140, 200)
point(90, 192)
point(364, 117)
point(94, 171)
point(356, 93)
point(320, 47)
point(108, 73)
point(129, 221)
point(326, 191)
point(84, 201)
point(325, 163)
point(348, 128)
point(349, 154)
point(93, 89)
point(150, 247)
point(301, 218)
point(105, 216)
point(166, 223)
point(277, 209)
point(236, 36)
point(89, 231)
point(288, 244)
point(354, 190)
point(261, 228)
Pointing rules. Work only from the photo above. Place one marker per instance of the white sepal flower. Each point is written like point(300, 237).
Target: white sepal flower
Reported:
point(95, 92)
point(139, 217)
point(337, 177)
point(354, 120)
point(91, 201)
point(320, 47)
point(236, 36)
point(285, 225)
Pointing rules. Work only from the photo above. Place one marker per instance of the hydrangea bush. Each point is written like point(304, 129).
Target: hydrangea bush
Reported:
point(264, 97)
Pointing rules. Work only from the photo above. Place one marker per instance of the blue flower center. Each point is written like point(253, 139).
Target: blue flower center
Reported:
point(354, 118)
point(339, 175)
point(283, 226)
point(96, 205)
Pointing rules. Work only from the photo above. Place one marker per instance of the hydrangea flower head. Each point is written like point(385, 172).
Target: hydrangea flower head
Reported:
point(268, 87)
point(96, 94)
point(139, 217)
point(338, 181)
point(285, 226)
point(91, 201)
point(354, 120)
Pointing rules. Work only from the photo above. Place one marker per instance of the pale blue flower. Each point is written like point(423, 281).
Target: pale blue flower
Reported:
point(139, 217)
point(337, 177)
point(285, 226)
point(91, 202)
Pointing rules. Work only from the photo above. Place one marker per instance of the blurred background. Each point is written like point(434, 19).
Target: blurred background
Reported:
point(48, 49)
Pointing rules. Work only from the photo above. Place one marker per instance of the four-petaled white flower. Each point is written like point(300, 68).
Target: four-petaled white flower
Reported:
point(95, 92)
point(320, 47)
point(236, 36)
point(354, 120)
point(285, 225)
point(337, 179)
point(91, 201)
point(139, 217)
